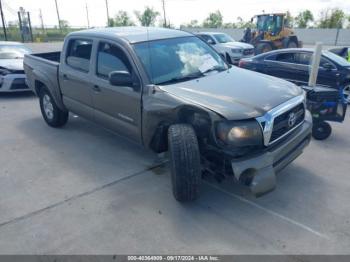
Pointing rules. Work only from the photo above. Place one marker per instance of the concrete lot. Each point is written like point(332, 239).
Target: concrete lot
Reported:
point(81, 189)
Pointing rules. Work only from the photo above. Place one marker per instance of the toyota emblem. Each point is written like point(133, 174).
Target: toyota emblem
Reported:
point(291, 120)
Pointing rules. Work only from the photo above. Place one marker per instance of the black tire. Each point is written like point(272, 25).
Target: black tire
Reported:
point(56, 118)
point(185, 162)
point(289, 43)
point(321, 130)
point(263, 48)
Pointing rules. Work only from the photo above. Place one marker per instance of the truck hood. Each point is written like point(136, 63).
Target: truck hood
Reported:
point(237, 45)
point(236, 93)
point(12, 64)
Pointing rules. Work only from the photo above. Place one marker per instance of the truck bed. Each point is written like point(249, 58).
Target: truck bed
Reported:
point(43, 68)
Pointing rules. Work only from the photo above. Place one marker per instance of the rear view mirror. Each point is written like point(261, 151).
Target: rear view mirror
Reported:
point(120, 78)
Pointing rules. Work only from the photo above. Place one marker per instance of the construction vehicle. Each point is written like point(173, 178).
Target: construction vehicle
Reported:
point(272, 32)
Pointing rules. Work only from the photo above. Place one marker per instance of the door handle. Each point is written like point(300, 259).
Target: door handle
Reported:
point(65, 77)
point(96, 88)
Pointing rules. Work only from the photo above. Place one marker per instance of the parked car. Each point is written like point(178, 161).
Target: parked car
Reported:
point(12, 77)
point(232, 50)
point(169, 91)
point(294, 65)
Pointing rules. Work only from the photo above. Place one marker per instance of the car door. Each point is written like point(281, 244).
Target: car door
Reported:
point(282, 65)
point(74, 76)
point(328, 73)
point(116, 107)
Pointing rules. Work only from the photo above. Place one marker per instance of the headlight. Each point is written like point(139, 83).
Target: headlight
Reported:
point(240, 133)
point(236, 50)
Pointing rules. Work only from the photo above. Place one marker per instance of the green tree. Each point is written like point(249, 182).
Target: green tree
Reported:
point(332, 18)
point(243, 24)
point(214, 20)
point(304, 18)
point(192, 24)
point(122, 18)
point(229, 25)
point(147, 17)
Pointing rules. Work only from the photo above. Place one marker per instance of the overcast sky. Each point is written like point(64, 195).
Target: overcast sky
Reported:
point(178, 11)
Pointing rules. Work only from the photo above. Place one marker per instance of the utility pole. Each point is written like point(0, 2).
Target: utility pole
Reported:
point(163, 2)
point(58, 16)
point(107, 12)
point(41, 20)
point(30, 27)
point(87, 14)
point(3, 21)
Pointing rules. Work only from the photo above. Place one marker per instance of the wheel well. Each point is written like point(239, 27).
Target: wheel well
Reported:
point(197, 118)
point(38, 86)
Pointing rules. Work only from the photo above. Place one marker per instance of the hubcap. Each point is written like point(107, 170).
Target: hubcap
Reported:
point(48, 107)
point(346, 93)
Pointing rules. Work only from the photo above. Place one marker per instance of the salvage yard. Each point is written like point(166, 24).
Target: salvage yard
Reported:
point(83, 190)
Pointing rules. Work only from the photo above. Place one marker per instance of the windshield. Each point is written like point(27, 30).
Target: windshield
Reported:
point(271, 23)
point(223, 38)
point(178, 59)
point(338, 59)
point(13, 51)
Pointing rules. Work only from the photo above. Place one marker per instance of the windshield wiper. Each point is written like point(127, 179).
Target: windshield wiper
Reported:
point(215, 68)
point(182, 78)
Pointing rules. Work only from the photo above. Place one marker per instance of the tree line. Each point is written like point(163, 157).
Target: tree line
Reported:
point(328, 18)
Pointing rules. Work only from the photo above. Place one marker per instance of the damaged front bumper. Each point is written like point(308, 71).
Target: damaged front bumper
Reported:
point(261, 170)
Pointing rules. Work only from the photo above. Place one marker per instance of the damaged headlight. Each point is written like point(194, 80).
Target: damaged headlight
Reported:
point(240, 133)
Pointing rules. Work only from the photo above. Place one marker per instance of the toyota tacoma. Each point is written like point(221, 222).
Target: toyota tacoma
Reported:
point(171, 92)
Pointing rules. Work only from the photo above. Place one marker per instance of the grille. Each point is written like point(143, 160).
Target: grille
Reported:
point(18, 83)
point(284, 122)
point(248, 51)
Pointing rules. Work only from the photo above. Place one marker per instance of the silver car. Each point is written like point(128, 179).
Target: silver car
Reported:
point(12, 77)
point(232, 50)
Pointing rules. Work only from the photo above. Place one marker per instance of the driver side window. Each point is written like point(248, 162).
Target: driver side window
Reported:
point(111, 58)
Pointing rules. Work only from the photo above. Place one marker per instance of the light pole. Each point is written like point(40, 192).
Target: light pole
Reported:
point(58, 16)
point(165, 23)
point(3, 21)
point(107, 12)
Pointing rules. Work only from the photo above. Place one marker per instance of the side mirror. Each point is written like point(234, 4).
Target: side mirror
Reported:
point(120, 78)
point(327, 66)
point(210, 42)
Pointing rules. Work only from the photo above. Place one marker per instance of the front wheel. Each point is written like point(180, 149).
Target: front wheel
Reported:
point(346, 92)
point(51, 113)
point(185, 162)
point(321, 130)
point(263, 48)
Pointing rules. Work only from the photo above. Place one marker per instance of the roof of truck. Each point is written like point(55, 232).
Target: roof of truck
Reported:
point(133, 34)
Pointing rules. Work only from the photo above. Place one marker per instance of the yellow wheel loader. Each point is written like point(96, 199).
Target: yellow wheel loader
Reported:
point(272, 32)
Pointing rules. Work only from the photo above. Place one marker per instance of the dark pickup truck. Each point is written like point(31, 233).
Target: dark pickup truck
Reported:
point(169, 91)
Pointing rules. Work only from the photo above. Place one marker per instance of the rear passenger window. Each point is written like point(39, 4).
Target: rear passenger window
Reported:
point(111, 58)
point(305, 58)
point(79, 54)
point(286, 57)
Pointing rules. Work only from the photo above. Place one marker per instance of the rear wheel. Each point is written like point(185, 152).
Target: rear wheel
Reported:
point(289, 43)
point(51, 113)
point(185, 162)
point(321, 130)
point(263, 48)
